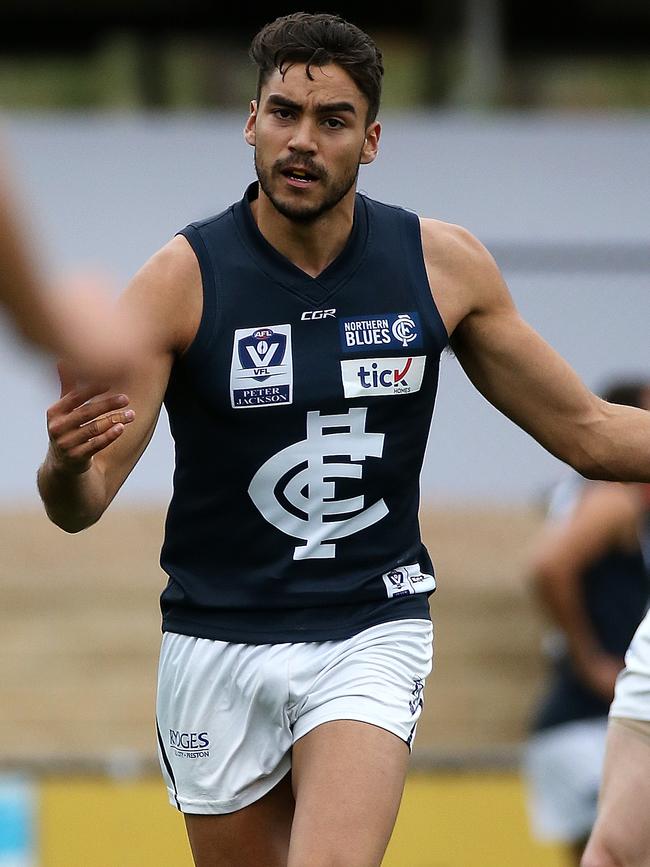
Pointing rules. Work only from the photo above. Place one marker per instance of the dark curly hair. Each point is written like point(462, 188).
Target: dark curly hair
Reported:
point(316, 40)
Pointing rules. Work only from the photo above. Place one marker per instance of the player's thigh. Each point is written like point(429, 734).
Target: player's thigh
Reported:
point(348, 778)
point(255, 836)
point(621, 836)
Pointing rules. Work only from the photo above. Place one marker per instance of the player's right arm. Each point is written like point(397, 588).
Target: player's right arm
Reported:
point(97, 435)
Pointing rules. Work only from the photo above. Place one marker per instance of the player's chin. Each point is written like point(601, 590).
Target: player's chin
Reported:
point(298, 210)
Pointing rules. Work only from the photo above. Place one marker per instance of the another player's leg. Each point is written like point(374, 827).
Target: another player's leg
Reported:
point(348, 779)
point(621, 835)
point(256, 836)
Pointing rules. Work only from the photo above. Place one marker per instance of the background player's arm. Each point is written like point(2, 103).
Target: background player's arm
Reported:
point(96, 438)
point(604, 518)
point(519, 373)
point(77, 321)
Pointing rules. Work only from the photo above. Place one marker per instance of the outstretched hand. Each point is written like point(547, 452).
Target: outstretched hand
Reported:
point(84, 421)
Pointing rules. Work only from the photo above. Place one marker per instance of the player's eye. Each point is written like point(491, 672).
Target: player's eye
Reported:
point(283, 113)
point(334, 123)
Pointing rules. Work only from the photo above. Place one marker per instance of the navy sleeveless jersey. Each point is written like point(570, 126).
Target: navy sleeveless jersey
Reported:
point(300, 416)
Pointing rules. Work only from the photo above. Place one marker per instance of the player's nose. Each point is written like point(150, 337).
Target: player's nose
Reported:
point(303, 137)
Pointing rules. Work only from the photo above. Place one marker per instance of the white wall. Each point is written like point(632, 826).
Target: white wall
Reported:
point(109, 190)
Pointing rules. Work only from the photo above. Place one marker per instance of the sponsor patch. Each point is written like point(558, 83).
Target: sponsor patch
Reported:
point(189, 745)
point(386, 331)
point(364, 377)
point(261, 371)
point(407, 580)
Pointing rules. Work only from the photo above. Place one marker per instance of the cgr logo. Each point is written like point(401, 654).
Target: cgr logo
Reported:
point(311, 315)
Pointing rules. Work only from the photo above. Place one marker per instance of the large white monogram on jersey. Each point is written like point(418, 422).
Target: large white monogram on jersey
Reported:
point(303, 476)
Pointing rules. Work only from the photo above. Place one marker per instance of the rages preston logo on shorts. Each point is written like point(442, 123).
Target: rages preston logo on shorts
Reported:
point(261, 371)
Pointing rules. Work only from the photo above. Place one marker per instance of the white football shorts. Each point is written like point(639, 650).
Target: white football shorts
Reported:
point(562, 769)
point(632, 694)
point(228, 713)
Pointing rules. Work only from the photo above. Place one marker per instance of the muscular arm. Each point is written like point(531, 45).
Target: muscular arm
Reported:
point(519, 373)
point(95, 445)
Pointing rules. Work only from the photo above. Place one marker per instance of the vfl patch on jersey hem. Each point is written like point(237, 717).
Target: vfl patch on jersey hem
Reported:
point(408, 580)
point(382, 376)
point(261, 371)
point(384, 331)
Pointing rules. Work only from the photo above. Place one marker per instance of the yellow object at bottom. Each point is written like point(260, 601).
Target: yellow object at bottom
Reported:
point(446, 820)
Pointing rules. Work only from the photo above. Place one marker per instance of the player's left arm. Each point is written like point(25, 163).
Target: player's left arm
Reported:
point(526, 379)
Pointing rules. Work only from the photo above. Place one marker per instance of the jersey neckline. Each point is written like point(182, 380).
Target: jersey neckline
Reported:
point(283, 271)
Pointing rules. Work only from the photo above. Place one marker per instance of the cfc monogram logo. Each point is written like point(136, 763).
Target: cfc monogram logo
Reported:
point(302, 477)
point(404, 329)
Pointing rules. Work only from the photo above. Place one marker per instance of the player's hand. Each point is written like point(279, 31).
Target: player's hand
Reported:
point(84, 421)
point(599, 672)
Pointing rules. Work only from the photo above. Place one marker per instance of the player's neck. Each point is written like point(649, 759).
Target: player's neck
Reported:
point(310, 246)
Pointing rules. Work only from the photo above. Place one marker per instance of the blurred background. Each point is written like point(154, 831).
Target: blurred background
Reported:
point(526, 123)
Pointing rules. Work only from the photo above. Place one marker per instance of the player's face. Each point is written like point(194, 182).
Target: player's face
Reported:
point(310, 136)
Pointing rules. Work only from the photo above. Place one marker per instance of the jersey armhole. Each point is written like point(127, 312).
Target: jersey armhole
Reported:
point(412, 240)
point(206, 332)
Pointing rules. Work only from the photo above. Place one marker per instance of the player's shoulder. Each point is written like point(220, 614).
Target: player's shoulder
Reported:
point(453, 243)
point(210, 223)
point(166, 292)
point(173, 264)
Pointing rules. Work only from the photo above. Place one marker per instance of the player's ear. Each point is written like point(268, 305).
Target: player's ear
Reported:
point(371, 143)
point(249, 129)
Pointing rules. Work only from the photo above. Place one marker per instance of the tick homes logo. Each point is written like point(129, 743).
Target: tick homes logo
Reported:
point(382, 376)
point(261, 371)
point(386, 331)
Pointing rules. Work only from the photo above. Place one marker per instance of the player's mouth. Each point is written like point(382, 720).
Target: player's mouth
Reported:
point(300, 178)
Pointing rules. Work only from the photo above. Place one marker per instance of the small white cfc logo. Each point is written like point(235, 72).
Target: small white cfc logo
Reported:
point(307, 470)
point(310, 315)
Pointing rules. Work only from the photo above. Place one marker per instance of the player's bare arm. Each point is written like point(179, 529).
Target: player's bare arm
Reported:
point(519, 372)
point(605, 518)
point(98, 434)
